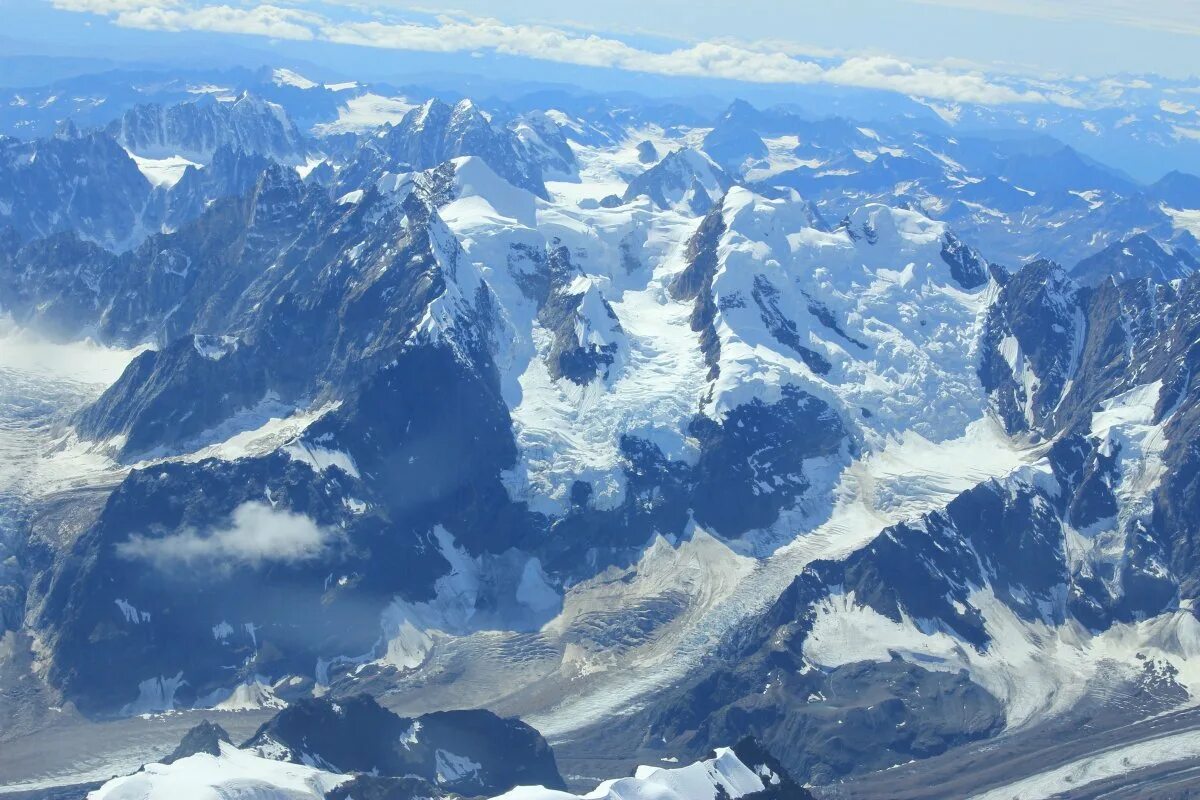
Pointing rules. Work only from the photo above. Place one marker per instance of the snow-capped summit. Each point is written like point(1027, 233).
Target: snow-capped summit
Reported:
point(229, 770)
point(546, 143)
point(475, 188)
point(287, 77)
point(686, 180)
point(436, 132)
point(353, 748)
point(893, 227)
point(871, 313)
point(732, 773)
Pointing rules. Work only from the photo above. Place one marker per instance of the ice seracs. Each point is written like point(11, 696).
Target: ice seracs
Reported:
point(868, 313)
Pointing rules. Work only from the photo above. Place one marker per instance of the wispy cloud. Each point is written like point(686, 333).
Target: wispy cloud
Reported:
point(170, 15)
point(761, 62)
point(1174, 16)
point(257, 534)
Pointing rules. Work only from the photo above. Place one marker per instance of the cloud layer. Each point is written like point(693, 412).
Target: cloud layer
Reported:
point(1174, 16)
point(740, 61)
point(256, 535)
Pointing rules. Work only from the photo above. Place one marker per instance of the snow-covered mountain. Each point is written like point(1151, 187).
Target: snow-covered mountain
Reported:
point(654, 433)
point(76, 183)
point(435, 132)
point(1139, 256)
point(683, 180)
point(353, 748)
point(193, 131)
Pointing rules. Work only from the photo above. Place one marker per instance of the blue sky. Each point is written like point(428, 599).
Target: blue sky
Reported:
point(1085, 36)
point(954, 50)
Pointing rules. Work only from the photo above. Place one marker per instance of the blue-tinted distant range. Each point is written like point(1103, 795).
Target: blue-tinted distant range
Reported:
point(626, 401)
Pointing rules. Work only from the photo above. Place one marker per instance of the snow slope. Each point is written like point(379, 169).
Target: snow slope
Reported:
point(244, 774)
point(898, 483)
point(234, 773)
point(723, 776)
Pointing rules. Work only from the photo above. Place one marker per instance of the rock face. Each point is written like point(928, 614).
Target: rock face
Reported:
point(196, 130)
point(292, 756)
point(734, 145)
point(472, 753)
point(88, 185)
point(545, 143)
point(80, 183)
point(647, 152)
point(436, 132)
point(289, 297)
point(230, 172)
point(204, 738)
point(1138, 257)
point(1177, 189)
point(685, 179)
point(831, 704)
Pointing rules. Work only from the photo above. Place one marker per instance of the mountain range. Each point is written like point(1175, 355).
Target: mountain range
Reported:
point(356, 426)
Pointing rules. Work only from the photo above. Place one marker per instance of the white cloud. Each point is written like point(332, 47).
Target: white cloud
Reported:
point(760, 62)
point(877, 72)
point(257, 534)
point(264, 20)
point(111, 7)
point(1175, 16)
point(174, 15)
point(1184, 132)
point(705, 59)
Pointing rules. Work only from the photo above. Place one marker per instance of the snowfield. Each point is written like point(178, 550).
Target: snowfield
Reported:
point(244, 774)
point(234, 773)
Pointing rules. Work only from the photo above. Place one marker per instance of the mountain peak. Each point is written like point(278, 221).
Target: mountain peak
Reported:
point(433, 111)
point(205, 737)
point(1139, 256)
point(684, 179)
point(739, 110)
